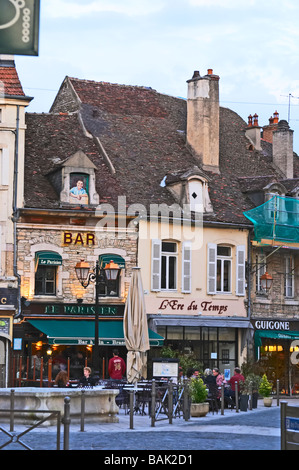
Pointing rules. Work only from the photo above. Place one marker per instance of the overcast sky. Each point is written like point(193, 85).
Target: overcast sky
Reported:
point(252, 45)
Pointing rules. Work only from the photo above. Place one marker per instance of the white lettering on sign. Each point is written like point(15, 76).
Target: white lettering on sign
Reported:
point(26, 25)
point(272, 325)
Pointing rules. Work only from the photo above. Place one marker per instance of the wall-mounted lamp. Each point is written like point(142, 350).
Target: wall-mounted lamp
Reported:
point(266, 281)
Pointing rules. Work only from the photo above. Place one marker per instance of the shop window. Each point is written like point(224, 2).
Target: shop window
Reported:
point(45, 280)
point(109, 288)
point(225, 356)
point(289, 277)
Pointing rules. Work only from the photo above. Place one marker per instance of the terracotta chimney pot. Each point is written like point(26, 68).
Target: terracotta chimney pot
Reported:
point(275, 117)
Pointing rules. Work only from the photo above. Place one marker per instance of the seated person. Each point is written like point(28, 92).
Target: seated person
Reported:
point(237, 377)
point(61, 379)
point(86, 380)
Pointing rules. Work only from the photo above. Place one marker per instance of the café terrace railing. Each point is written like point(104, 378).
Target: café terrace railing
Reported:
point(38, 372)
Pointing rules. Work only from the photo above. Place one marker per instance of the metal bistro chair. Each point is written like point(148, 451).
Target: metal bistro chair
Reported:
point(144, 398)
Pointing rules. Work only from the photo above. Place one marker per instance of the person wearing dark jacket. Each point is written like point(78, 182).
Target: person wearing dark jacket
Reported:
point(86, 380)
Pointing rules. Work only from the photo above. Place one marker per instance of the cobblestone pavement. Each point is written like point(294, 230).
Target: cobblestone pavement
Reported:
point(258, 429)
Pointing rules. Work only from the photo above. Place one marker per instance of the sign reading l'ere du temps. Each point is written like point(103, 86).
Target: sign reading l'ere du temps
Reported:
point(195, 306)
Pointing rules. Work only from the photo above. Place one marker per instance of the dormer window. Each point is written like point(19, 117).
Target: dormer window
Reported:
point(276, 209)
point(79, 188)
point(189, 189)
point(198, 195)
point(74, 180)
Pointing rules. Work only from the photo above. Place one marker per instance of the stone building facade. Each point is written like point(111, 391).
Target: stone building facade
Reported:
point(131, 150)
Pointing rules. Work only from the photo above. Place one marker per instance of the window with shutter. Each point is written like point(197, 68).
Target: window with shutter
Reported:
point(224, 269)
point(169, 266)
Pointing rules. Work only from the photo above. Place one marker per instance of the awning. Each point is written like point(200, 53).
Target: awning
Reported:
point(202, 321)
point(81, 332)
point(275, 334)
point(106, 258)
point(47, 258)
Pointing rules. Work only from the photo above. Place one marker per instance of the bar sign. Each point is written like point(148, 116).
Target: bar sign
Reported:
point(19, 27)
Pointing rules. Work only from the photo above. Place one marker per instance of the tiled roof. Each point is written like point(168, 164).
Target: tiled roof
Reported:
point(119, 99)
point(143, 134)
point(9, 82)
point(50, 140)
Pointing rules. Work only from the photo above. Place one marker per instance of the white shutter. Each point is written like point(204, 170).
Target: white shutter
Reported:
point(240, 270)
point(4, 168)
point(186, 267)
point(1, 268)
point(156, 265)
point(212, 268)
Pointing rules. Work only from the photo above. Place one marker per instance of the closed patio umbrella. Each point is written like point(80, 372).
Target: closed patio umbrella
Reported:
point(136, 329)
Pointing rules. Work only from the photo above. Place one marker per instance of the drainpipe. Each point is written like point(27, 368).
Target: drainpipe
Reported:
point(249, 283)
point(249, 274)
point(15, 210)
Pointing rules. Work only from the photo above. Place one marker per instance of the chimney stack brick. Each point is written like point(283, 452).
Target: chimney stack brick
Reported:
point(282, 149)
point(203, 118)
point(253, 131)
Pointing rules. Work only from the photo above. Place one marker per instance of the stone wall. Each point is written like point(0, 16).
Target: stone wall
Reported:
point(50, 238)
point(276, 304)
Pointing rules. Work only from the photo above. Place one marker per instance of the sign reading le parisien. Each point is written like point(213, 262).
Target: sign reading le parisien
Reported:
point(19, 27)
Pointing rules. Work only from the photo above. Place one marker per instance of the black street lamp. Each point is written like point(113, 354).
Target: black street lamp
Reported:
point(98, 276)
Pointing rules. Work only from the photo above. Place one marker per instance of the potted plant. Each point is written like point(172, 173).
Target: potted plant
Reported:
point(265, 389)
point(244, 395)
point(252, 383)
point(198, 394)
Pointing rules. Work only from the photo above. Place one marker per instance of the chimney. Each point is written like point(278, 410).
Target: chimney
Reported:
point(272, 126)
point(253, 131)
point(203, 118)
point(282, 149)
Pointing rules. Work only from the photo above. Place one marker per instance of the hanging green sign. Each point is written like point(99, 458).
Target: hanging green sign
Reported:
point(19, 27)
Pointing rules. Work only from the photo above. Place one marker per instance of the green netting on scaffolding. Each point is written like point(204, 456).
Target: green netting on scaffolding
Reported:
point(276, 219)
